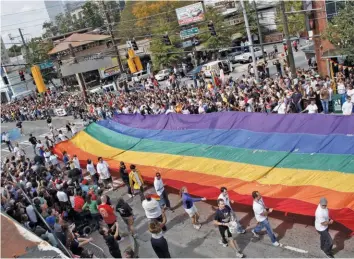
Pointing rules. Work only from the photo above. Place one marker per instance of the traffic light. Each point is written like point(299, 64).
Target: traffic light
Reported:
point(166, 39)
point(134, 45)
point(38, 79)
point(22, 76)
point(211, 28)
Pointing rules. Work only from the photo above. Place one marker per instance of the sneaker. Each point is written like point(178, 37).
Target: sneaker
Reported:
point(121, 239)
point(254, 233)
point(276, 243)
point(327, 255)
point(239, 255)
point(241, 232)
point(197, 226)
point(130, 196)
point(135, 235)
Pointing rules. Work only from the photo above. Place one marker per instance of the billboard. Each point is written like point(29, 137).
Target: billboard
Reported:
point(190, 14)
point(106, 72)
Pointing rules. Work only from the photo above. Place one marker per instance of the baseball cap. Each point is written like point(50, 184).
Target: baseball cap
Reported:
point(323, 201)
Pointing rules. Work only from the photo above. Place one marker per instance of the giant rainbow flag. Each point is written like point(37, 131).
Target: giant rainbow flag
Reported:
point(292, 160)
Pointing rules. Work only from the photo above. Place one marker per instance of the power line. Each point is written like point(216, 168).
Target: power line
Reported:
point(31, 10)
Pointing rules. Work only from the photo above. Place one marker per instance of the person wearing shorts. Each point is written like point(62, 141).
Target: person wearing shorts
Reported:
point(126, 212)
point(189, 206)
point(223, 217)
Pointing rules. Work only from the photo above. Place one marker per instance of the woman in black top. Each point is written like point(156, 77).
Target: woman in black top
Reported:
point(222, 219)
point(111, 241)
point(126, 212)
point(158, 242)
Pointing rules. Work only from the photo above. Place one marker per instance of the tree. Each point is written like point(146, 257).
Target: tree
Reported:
point(296, 21)
point(113, 8)
point(92, 17)
point(340, 31)
point(14, 51)
point(50, 29)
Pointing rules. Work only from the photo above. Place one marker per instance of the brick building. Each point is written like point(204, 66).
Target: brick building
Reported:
point(327, 9)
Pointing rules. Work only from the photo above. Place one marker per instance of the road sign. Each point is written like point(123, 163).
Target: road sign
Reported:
point(189, 33)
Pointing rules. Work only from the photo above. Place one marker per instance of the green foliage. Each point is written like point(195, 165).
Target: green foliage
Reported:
point(14, 51)
point(92, 17)
point(296, 21)
point(340, 31)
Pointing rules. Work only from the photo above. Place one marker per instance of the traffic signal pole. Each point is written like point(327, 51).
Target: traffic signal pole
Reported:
point(250, 40)
point(109, 27)
point(288, 42)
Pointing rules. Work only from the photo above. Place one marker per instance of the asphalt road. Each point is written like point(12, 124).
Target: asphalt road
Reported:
point(296, 233)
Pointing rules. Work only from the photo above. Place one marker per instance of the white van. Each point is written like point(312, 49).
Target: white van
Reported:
point(216, 66)
point(104, 88)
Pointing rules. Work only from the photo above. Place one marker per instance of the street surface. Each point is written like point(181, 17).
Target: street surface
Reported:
point(296, 233)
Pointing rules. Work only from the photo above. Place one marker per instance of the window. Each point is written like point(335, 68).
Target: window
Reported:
point(333, 6)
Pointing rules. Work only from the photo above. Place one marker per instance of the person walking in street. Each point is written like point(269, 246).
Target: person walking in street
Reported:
point(125, 177)
point(126, 212)
point(19, 152)
point(189, 206)
point(324, 96)
point(111, 240)
point(153, 211)
point(158, 242)
point(103, 171)
point(19, 126)
point(49, 122)
point(33, 141)
point(6, 139)
point(90, 167)
point(136, 182)
point(224, 195)
point(322, 223)
point(161, 191)
point(224, 216)
point(261, 213)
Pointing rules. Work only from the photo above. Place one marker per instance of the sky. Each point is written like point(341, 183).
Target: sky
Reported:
point(18, 14)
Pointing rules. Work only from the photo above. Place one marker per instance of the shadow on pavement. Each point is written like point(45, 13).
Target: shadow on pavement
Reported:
point(339, 239)
point(281, 229)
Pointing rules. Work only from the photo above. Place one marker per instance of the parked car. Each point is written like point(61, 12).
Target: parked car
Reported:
point(191, 74)
point(231, 56)
point(247, 57)
point(138, 76)
point(163, 74)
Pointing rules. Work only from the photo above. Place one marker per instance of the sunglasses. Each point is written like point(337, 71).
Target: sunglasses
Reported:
point(158, 175)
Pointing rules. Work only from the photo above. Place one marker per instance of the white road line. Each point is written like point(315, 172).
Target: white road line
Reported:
point(296, 249)
point(5, 150)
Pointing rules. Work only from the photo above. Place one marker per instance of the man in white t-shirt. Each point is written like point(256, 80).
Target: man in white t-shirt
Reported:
point(261, 214)
point(153, 211)
point(322, 222)
point(347, 106)
point(19, 152)
point(311, 108)
point(103, 171)
point(224, 195)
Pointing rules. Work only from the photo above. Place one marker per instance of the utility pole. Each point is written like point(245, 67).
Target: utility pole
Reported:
point(109, 27)
point(259, 30)
point(79, 77)
point(288, 42)
point(26, 50)
point(250, 40)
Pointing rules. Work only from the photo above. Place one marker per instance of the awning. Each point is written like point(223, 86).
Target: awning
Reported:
point(333, 53)
point(236, 36)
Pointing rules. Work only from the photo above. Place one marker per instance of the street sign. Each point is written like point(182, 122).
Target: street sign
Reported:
point(46, 64)
point(187, 44)
point(129, 44)
point(189, 33)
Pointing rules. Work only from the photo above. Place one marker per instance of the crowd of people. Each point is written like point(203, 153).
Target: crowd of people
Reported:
point(63, 203)
point(307, 92)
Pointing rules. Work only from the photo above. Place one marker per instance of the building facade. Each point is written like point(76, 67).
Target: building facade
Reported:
point(326, 10)
point(54, 8)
